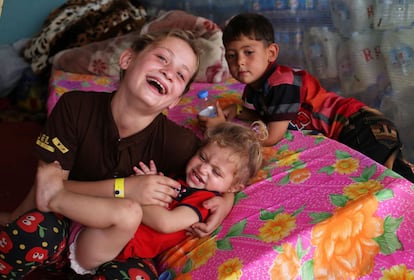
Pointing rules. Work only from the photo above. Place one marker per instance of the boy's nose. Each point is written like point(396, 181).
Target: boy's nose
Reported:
point(240, 61)
point(167, 72)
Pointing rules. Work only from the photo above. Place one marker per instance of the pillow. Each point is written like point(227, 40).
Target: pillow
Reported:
point(101, 58)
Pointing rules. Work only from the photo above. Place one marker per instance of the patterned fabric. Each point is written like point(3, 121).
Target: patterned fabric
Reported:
point(61, 82)
point(317, 210)
point(133, 268)
point(19, 259)
point(102, 58)
point(80, 22)
point(296, 95)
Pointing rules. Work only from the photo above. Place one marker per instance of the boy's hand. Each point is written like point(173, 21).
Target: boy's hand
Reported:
point(219, 207)
point(230, 112)
point(207, 122)
point(152, 189)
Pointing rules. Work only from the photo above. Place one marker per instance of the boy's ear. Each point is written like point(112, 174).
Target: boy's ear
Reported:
point(273, 52)
point(236, 188)
point(125, 59)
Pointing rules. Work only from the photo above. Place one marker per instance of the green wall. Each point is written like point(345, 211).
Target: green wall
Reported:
point(24, 18)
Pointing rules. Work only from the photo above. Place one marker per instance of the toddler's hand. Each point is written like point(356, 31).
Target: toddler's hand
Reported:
point(145, 170)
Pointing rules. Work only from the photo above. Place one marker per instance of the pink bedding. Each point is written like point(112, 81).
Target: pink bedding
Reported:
point(317, 210)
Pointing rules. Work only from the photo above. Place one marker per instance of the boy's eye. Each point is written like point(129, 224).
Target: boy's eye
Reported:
point(230, 56)
point(162, 58)
point(202, 157)
point(249, 52)
point(181, 76)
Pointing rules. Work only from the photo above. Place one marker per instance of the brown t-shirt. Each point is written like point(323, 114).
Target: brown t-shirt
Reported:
point(81, 134)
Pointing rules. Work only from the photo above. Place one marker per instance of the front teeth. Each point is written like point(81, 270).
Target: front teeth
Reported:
point(200, 180)
point(159, 86)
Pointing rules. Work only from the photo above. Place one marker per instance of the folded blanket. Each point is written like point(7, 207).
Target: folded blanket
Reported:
point(80, 22)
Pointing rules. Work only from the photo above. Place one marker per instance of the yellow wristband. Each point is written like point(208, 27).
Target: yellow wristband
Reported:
point(239, 109)
point(119, 188)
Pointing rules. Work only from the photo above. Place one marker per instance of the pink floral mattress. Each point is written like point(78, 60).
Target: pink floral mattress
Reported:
point(317, 210)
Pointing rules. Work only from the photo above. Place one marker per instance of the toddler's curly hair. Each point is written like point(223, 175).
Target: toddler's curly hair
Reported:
point(245, 144)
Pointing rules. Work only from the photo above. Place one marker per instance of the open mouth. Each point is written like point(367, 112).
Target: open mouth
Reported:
point(157, 85)
point(196, 176)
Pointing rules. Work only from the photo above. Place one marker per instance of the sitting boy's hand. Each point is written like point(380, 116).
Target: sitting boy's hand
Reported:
point(230, 112)
point(220, 207)
point(207, 122)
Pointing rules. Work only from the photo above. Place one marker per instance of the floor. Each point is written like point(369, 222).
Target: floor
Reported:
point(17, 169)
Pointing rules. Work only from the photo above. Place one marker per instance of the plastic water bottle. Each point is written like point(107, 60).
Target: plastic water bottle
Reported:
point(207, 105)
point(166, 275)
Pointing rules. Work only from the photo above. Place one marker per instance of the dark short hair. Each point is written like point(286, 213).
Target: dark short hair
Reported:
point(252, 25)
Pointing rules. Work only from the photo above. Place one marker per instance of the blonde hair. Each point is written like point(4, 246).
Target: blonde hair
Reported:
point(187, 36)
point(245, 144)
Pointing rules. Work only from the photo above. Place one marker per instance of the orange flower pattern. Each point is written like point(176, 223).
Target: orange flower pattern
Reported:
point(186, 276)
point(176, 257)
point(277, 228)
point(230, 269)
point(300, 175)
point(203, 252)
point(286, 265)
point(346, 166)
point(287, 158)
point(398, 272)
point(359, 189)
point(345, 246)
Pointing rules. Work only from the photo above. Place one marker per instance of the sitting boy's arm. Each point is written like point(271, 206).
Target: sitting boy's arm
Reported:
point(247, 114)
point(167, 221)
point(276, 132)
point(227, 114)
point(220, 207)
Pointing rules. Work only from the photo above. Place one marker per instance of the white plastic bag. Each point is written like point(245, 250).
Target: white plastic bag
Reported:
point(13, 66)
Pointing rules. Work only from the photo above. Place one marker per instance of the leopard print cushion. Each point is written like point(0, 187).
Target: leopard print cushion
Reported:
point(80, 22)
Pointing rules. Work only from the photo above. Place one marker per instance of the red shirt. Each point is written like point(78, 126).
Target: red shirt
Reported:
point(148, 243)
point(297, 96)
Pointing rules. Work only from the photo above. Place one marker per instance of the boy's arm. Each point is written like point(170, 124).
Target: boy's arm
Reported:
point(167, 221)
point(220, 207)
point(246, 114)
point(276, 132)
point(227, 114)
